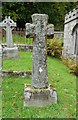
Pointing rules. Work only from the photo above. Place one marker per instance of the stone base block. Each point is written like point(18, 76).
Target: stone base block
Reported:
point(39, 97)
point(9, 53)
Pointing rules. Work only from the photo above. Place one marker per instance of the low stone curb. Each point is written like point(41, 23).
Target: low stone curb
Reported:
point(21, 74)
point(24, 47)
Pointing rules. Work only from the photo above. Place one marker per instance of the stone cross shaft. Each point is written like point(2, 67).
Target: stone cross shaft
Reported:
point(8, 25)
point(39, 30)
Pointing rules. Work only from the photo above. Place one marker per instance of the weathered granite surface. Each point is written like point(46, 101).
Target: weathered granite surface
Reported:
point(39, 30)
point(39, 93)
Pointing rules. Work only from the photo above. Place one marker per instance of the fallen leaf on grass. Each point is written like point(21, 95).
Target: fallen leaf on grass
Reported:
point(16, 92)
point(21, 97)
point(6, 102)
point(13, 103)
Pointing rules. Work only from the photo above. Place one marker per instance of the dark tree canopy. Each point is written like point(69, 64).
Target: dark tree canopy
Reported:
point(21, 11)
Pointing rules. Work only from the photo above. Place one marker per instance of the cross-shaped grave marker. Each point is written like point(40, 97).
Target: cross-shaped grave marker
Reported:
point(39, 30)
point(8, 25)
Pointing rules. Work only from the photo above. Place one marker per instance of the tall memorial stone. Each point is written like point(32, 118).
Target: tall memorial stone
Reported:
point(71, 34)
point(10, 51)
point(40, 92)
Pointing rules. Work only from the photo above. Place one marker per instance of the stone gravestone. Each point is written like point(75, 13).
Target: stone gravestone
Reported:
point(71, 34)
point(10, 51)
point(40, 92)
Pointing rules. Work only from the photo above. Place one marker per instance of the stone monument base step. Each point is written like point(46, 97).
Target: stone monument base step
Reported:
point(9, 53)
point(39, 97)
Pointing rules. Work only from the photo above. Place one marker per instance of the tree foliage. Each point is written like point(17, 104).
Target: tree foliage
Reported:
point(21, 11)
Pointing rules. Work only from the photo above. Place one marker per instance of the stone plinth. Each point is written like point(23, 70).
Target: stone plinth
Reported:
point(9, 53)
point(39, 97)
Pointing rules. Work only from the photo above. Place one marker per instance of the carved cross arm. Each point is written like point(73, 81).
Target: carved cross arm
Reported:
point(13, 24)
point(2, 24)
point(50, 30)
point(29, 30)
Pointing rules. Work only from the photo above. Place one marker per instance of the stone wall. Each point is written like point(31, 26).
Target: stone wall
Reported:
point(71, 20)
point(21, 74)
point(59, 34)
point(24, 47)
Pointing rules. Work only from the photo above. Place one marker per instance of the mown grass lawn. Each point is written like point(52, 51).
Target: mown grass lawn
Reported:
point(23, 63)
point(59, 77)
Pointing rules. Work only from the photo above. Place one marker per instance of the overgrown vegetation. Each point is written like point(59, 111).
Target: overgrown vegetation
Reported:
point(54, 47)
point(58, 76)
point(72, 64)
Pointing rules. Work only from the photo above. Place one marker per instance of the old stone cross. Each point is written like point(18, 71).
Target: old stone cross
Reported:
point(8, 25)
point(39, 30)
point(40, 93)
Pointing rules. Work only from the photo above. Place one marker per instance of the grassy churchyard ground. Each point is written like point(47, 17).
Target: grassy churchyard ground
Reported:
point(58, 76)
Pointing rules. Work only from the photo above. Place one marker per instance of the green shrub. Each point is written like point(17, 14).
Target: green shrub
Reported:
point(74, 69)
point(72, 64)
point(54, 47)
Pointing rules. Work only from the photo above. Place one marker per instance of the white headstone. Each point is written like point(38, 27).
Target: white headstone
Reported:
point(10, 51)
point(8, 25)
